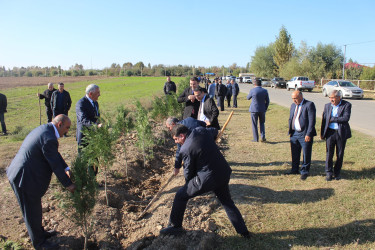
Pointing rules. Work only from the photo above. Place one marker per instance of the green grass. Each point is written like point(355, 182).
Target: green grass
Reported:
point(23, 107)
point(284, 212)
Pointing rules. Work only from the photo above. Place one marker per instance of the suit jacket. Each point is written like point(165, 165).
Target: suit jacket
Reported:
point(169, 87)
point(211, 111)
point(306, 119)
point(67, 102)
point(203, 159)
point(221, 90)
point(191, 108)
point(343, 113)
point(235, 89)
point(191, 124)
point(260, 100)
point(86, 116)
point(32, 167)
point(229, 90)
point(3, 103)
point(47, 94)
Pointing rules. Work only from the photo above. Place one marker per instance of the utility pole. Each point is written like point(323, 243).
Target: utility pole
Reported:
point(343, 63)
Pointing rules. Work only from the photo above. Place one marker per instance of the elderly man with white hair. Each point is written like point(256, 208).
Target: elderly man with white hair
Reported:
point(87, 110)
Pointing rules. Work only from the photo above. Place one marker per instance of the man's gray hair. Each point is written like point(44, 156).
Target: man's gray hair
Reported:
point(50, 84)
point(91, 88)
point(336, 93)
point(171, 121)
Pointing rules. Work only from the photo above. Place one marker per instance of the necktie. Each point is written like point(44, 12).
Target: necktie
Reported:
point(96, 108)
point(294, 118)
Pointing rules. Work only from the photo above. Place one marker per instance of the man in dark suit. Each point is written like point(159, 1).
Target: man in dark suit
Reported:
point(336, 130)
point(191, 124)
point(208, 111)
point(47, 94)
point(87, 110)
point(205, 170)
point(3, 109)
point(169, 87)
point(235, 92)
point(258, 108)
point(220, 92)
point(229, 93)
point(191, 103)
point(30, 174)
point(301, 131)
point(60, 101)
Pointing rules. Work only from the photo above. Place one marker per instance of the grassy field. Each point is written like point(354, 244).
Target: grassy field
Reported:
point(284, 212)
point(281, 211)
point(23, 105)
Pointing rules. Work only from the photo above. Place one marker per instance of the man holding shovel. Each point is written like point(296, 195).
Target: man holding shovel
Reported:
point(205, 170)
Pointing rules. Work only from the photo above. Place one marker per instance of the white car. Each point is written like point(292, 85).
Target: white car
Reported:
point(347, 89)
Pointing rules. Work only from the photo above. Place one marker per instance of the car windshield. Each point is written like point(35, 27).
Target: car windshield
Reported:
point(347, 84)
point(279, 79)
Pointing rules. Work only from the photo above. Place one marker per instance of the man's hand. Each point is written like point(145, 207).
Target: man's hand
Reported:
point(68, 173)
point(100, 125)
point(38, 95)
point(71, 188)
point(176, 171)
point(307, 138)
point(191, 98)
point(208, 123)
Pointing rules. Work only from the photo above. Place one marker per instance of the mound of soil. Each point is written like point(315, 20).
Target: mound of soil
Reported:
point(130, 189)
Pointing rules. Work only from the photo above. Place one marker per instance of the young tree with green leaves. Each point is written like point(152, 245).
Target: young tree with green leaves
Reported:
point(283, 48)
point(78, 206)
point(100, 147)
point(144, 131)
point(124, 123)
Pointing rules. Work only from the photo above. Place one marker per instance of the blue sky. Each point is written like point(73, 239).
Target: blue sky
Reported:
point(200, 33)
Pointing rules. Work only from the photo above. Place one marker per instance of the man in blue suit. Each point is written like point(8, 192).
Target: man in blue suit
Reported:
point(30, 174)
point(258, 108)
point(87, 110)
point(235, 92)
point(205, 170)
point(191, 124)
point(301, 131)
point(336, 130)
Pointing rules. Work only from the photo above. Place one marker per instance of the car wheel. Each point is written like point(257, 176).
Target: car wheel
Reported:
point(310, 90)
point(324, 93)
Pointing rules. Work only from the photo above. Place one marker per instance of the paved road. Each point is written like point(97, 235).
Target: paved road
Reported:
point(362, 118)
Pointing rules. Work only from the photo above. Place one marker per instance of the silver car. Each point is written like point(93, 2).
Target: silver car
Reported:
point(347, 89)
point(266, 82)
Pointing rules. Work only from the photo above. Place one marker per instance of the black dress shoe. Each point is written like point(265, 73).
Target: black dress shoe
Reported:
point(247, 235)
point(172, 230)
point(48, 245)
point(337, 177)
point(291, 172)
point(304, 176)
point(263, 140)
point(49, 234)
point(329, 177)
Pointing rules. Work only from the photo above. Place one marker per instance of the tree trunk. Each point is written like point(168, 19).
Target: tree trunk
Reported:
point(126, 161)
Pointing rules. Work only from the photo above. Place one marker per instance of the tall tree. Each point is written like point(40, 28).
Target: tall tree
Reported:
point(262, 63)
point(283, 48)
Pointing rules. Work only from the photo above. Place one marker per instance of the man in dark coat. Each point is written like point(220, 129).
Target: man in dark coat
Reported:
point(47, 94)
point(258, 108)
point(235, 92)
point(229, 93)
point(30, 174)
point(205, 170)
point(60, 101)
point(301, 131)
point(169, 87)
point(191, 103)
point(221, 92)
point(335, 130)
point(3, 109)
point(191, 124)
point(208, 111)
point(87, 110)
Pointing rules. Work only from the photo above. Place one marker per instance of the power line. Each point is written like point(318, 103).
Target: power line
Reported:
point(358, 43)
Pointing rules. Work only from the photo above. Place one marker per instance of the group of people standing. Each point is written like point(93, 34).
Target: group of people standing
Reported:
point(335, 128)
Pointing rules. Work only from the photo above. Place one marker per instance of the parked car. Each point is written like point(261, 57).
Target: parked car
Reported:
point(247, 79)
point(300, 83)
point(278, 82)
point(347, 89)
point(266, 82)
point(239, 79)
